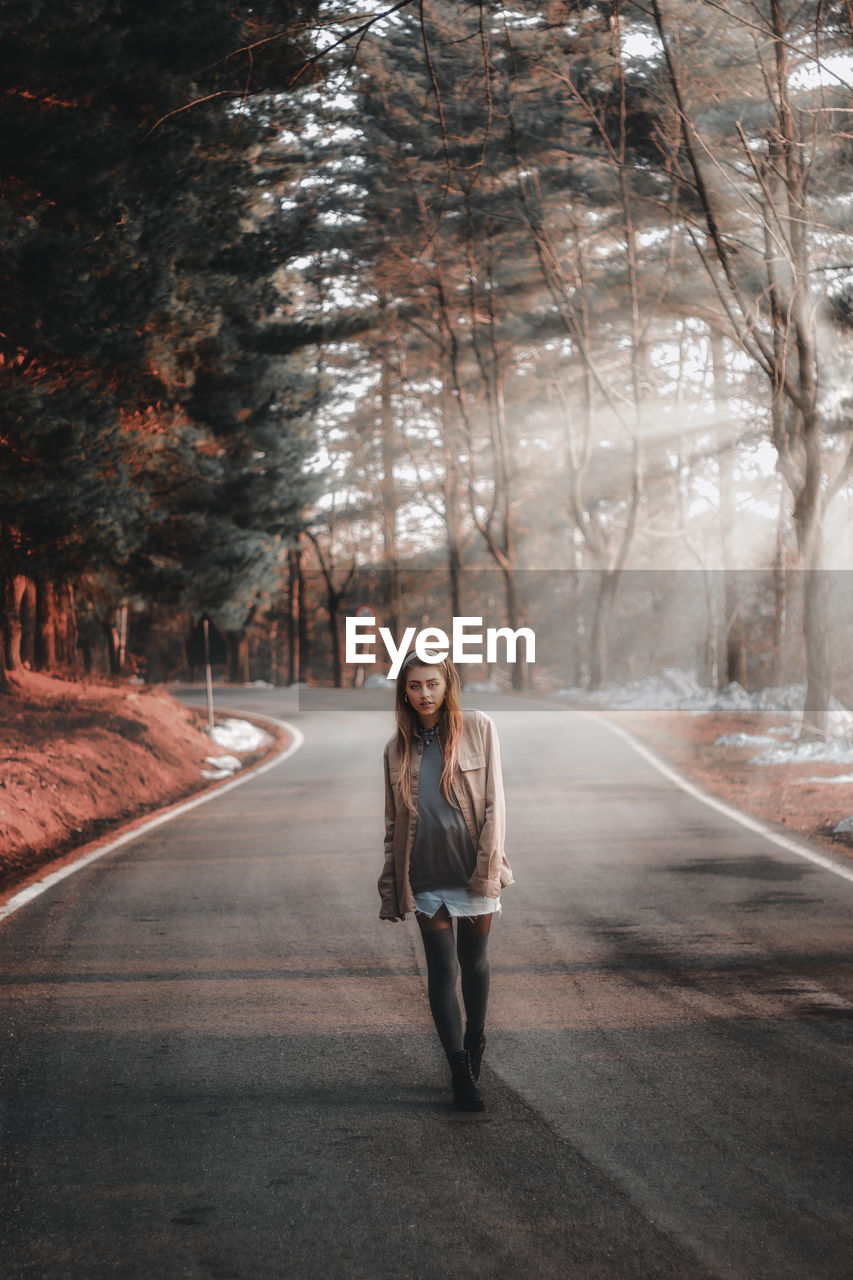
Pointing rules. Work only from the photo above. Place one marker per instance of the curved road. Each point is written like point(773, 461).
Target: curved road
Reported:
point(216, 1061)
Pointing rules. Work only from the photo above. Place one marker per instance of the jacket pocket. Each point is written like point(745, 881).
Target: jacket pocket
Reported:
point(472, 760)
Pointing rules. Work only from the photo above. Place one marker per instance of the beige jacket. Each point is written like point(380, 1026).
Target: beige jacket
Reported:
point(478, 787)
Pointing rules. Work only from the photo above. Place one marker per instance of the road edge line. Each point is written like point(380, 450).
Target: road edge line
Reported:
point(745, 819)
point(38, 887)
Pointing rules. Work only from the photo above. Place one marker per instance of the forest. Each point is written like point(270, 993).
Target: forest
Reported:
point(539, 312)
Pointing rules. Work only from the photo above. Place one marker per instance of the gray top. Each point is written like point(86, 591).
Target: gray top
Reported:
point(443, 854)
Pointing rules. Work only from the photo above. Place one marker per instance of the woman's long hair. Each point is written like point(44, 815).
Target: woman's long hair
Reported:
point(449, 726)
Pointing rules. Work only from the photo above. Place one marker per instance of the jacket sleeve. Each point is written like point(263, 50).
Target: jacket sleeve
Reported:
point(492, 869)
point(390, 909)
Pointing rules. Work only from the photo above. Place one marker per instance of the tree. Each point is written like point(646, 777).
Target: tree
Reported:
point(767, 176)
point(131, 226)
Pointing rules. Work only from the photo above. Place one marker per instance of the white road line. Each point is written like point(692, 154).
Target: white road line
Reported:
point(38, 887)
point(751, 824)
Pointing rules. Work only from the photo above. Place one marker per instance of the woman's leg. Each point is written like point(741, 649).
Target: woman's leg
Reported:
point(472, 950)
point(437, 936)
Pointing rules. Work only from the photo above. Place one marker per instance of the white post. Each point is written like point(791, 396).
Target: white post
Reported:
point(208, 677)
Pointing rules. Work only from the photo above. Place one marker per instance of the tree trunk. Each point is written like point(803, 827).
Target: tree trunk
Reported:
point(29, 610)
point(238, 657)
point(734, 634)
point(4, 631)
point(780, 598)
point(611, 578)
point(452, 485)
point(815, 633)
point(713, 643)
point(15, 591)
point(808, 521)
point(45, 626)
point(295, 586)
point(274, 671)
point(818, 667)
point(393, 597)
point(66, 629)
point(113, 646)
point(333, 599)
point(514, 616)
point(598, 648)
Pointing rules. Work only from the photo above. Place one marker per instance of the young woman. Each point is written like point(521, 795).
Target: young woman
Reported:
point(444, 852)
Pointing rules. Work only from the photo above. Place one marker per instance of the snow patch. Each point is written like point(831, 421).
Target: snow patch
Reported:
point(822, 777)
point(677, 690)
point(222, 767)
point(733, 698)
point(239, 735)
point(840, 722)
point(745, 740)
point(785, 697)
point(671, 690)
point(804, 752)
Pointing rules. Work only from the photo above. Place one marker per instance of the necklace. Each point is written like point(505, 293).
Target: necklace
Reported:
point(427, 735)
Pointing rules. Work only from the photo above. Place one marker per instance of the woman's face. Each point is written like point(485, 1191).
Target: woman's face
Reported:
point(426, 688)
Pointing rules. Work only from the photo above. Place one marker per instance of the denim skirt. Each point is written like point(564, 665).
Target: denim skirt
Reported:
point(459, 902)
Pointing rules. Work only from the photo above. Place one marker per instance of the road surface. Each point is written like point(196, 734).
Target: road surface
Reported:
point(217, 1062)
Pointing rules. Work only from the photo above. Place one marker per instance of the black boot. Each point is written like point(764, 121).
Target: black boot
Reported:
point(466, 1095)
point(475, 1046)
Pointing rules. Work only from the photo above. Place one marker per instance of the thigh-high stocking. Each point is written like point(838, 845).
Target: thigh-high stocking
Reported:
point(471, 950)
point(472, 943)
point(437, 936)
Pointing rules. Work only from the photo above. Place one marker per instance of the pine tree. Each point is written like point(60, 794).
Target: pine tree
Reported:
point(136, 274)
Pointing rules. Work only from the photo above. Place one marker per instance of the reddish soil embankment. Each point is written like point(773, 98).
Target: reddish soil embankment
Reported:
point(782, 795)
point(77, 759)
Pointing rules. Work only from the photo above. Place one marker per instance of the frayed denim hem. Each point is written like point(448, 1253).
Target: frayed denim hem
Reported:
point(459, 902)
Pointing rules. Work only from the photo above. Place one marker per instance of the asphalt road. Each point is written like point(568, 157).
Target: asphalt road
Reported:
point(217, 1062)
